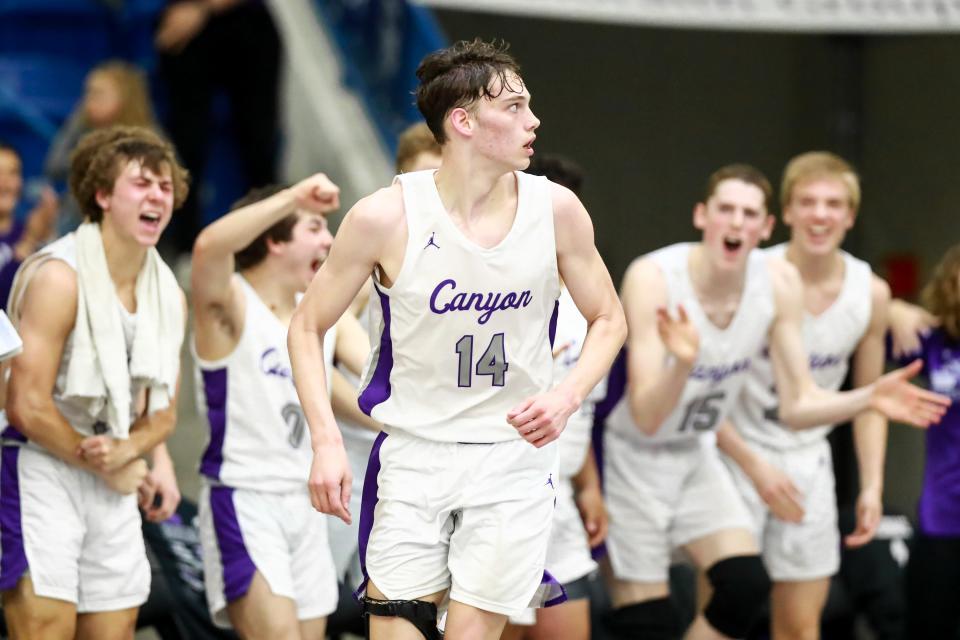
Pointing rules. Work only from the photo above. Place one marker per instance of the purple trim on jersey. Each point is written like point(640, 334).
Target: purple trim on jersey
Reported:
point(378, 389)
point(368, 504)
point(215, 391)
point(553, 322)
point(616, 387)
point(238, 566)
point(11, 433)
point(13, 558)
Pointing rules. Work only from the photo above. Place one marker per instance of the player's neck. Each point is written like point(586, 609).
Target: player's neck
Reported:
point(271, 289)
point(470, 187)
point(711, 282)
point(6, 221)
point(815, 269)
point(124, 257)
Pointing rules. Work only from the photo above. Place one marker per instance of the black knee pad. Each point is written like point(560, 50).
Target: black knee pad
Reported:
point(741, 587)
point(650, 620)
point(421, 614)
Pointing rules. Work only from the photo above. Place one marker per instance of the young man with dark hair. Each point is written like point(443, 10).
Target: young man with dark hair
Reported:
point(102, 321)
point(466, 264)
point(698, 315)
point(268, 568)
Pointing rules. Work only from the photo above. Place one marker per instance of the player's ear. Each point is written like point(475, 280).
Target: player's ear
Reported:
point(768, 224)
point(700, 216)
point(461, 121)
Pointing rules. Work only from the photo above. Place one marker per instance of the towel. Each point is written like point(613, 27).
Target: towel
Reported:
point(99, 374)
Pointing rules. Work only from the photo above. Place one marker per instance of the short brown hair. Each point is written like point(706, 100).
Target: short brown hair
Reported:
point(100, 156)
point(459, 75)
point(414, 140)
point(280, 231)
point(941, 296)
point(819, 164)
point(744, 173)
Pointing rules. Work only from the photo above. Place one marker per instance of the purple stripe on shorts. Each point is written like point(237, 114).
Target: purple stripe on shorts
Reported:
point(215, 391)
point(616, 387)
point(11, 433)
point(13, 558)
point(368, 504)
point(553, 322)
point(238, 567)
point(551, 592)
point(378, 389)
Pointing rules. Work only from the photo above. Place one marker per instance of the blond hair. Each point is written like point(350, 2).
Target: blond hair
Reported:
point(135, 106)
point(414, 140)
point(819, 164)
point(941, 296)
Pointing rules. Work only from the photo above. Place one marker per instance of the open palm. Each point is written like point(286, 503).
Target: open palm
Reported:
point(899, 400)
point(679, 335)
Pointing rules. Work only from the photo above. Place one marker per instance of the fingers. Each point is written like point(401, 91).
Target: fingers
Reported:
point(911, 370)
point(337, 507)
point(146, 493)
point(858, 538)
point(521, 414)
point(682, 314)
point(559, 350)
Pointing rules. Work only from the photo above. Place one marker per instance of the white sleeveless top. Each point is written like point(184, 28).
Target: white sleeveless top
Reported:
point(65, 249)
point(258, 434)
point(725, 355)
point(829, 338)
point(464, 334)
point(356, 437)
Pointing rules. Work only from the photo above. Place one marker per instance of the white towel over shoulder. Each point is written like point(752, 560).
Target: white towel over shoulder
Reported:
point(98, 373)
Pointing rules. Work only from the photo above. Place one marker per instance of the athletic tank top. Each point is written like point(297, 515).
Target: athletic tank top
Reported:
point(829, 338)
point(725, 355)
point(356, 437)
point(258, 434)
point(465, 333)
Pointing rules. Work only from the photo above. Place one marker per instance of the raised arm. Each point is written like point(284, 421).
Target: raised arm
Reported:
point(803, 404)
point(361, 241)
point(870, 427)
point(661, 349)
point(542, 418)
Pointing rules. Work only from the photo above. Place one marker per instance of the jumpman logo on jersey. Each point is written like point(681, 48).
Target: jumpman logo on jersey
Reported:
point(430, 242)
point(550, 481)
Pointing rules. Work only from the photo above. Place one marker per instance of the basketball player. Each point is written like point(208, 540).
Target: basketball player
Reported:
point(102, 322)
point(466, 263)
point(268, 570)
point(698, 314)
point(786, 476)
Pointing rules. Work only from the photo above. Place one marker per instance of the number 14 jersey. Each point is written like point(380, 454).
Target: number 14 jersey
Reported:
point(465, 333)
point(725, 355)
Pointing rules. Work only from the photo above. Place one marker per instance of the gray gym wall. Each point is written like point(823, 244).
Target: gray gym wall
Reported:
point(649, 113)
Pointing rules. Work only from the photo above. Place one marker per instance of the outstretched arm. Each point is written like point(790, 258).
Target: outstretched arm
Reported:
point(803, 404)
point(540, 419)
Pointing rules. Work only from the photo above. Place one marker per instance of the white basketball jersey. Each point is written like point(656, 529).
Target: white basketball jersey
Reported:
point(464, 334)
point(575, 439)
point(355, 436)
point(258, 434)
point(829, 338)
point(725, 355)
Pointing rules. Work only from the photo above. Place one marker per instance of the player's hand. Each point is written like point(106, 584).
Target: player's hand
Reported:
point(907, 324)
point(159, 494)
point(541, 418)
point(330, 481)
point(180, 24)
point(869, 512)
point(558, 351)
point(679, 334)
point(317, 194)
point(896, 398)
point(106, 454)
point(777, 490)
point(128, 478)
point(593, 514)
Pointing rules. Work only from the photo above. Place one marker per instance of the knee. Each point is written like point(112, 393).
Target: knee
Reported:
point(741, 588)
point(656, 619)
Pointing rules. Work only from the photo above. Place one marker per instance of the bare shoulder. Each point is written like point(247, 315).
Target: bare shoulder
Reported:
point(567, 209)
point(643, 282)
point(51, 295)
point(879, 290)
point(784, 275)
point(380, 212)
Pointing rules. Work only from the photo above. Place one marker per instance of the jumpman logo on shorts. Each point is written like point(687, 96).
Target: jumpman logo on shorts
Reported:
point(550, 481)
point(430, 242)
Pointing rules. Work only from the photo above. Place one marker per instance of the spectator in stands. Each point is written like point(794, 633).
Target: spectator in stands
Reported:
point(20, 238)
point(116, 93)
point(232, 45)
